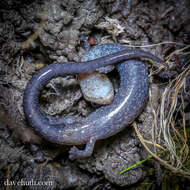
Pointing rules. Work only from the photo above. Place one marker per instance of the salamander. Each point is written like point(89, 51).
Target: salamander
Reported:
point(105, 121)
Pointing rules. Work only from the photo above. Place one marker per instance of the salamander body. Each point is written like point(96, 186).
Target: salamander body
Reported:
point(106, 121)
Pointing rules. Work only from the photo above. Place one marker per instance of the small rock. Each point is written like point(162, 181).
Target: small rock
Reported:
point(97, 88)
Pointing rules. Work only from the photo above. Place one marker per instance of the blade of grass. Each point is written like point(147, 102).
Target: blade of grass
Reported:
point(134, 165)
point(142, 161)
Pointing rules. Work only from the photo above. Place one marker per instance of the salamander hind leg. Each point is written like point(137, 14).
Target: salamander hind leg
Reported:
point(75, 153)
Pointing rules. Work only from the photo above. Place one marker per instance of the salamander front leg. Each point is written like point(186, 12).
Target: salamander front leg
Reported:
point(75, 153)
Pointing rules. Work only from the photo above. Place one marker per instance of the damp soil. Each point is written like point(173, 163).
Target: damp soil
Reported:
point(34, 34)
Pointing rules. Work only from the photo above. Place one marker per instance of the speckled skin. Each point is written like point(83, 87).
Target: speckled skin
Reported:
point(106, 120)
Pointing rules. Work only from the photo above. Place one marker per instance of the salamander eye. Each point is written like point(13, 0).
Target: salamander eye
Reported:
point(94, 105)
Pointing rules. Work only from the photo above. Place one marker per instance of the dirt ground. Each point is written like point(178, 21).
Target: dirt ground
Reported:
point(36, 33)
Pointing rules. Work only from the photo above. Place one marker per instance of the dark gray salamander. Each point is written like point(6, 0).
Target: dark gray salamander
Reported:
point(106, 120)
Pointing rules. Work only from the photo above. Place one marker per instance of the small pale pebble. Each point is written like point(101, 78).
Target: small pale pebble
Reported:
point(97, 88)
